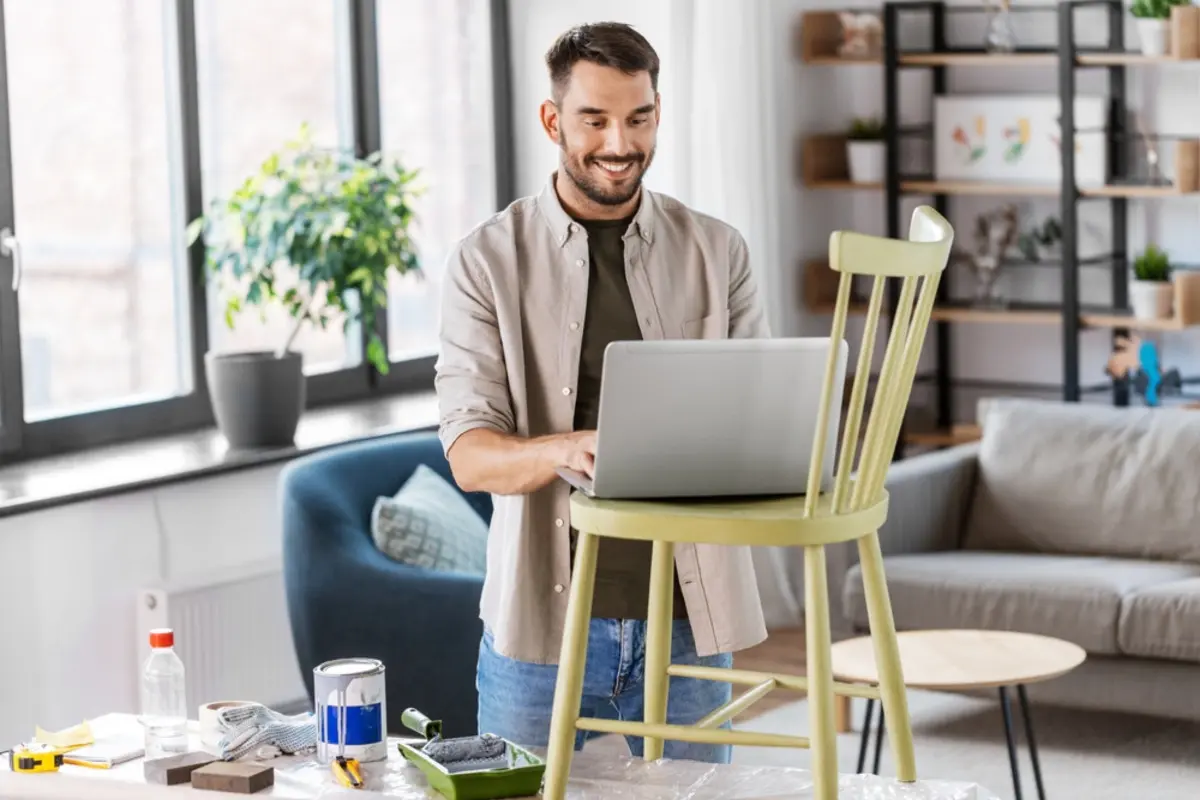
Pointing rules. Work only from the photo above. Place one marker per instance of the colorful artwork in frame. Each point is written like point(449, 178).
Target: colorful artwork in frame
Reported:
point(1015, 139)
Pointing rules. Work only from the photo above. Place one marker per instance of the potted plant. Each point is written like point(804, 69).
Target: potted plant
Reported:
point(1153, 24)
point(864, 150)
point(1151, 292)
point(316, 231)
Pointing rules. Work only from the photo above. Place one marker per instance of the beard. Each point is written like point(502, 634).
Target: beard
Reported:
point(581, 170)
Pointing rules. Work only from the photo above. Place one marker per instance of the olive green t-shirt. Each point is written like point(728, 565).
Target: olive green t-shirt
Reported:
point(623, 566)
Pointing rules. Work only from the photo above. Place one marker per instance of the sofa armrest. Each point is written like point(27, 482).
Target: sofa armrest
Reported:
point(928, 499)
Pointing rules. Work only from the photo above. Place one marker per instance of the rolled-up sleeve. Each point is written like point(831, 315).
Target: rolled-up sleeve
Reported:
point(471, 380)
point(747, 312)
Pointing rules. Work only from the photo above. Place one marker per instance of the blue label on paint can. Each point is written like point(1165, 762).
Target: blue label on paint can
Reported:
point(364, 724)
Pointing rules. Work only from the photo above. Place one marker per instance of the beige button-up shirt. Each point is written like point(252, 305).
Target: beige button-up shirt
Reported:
point(514, 295)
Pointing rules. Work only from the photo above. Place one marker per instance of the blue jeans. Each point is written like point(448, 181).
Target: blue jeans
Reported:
point(516, 698)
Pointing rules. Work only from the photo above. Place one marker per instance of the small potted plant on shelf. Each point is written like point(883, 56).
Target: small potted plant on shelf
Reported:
point(864, 150)
point(317, 232)
point(1151, 292)
point(1153, 24)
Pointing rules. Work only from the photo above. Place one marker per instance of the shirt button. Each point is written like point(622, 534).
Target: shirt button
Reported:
point(566, 390)
point(574, 326)
point(559, 522)
point(558, 587)
point(579, 262)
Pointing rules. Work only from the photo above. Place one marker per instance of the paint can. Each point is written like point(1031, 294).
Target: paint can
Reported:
point(350, 708)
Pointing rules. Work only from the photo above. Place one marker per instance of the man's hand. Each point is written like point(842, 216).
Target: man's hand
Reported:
point(579, 452)
point(485, 460)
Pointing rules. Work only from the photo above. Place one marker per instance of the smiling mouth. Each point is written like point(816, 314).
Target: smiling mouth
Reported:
point(616, 170)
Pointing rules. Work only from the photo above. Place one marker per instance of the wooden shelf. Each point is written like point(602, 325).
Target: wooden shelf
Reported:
point(844, 184)
point(838, 61)
point(1039, 190)
point(824, 164)
point(978, 188)
point(977, 59)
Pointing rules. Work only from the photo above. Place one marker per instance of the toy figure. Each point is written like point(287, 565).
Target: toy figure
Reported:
point(1137, 360)
point(862, 35)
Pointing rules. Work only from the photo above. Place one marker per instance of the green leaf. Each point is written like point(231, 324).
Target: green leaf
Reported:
point(194, 229)
point(377, 354)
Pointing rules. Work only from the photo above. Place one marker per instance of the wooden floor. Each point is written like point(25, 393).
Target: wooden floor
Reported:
point(783, 651)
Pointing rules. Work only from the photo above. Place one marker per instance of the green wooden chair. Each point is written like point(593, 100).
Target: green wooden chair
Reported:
point(853, 510)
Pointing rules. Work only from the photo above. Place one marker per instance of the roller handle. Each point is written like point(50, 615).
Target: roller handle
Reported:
point(416, 721)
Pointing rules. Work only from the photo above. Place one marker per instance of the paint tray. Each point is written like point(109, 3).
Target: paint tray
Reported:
point(512, 772)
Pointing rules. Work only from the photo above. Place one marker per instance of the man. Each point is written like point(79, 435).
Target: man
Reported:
point(531, 298)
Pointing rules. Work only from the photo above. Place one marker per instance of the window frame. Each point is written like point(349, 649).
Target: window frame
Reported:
point(21, 441)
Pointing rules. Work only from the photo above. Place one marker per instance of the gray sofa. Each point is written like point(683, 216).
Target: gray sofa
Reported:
point(1075, 521)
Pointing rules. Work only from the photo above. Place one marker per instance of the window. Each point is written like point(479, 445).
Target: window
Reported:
point(100, 314)
point(266, 67)
point(121, 119)
point(443, 126)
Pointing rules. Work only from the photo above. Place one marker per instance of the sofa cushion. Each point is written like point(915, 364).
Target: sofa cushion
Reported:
point(1087, 480)
point(1075, 598)
point(430, 524)
point(1162, 621)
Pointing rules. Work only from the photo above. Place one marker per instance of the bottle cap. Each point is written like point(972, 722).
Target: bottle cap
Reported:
point(162, 637)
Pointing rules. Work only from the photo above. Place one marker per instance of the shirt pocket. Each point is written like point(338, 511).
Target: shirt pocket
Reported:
point(710, 326)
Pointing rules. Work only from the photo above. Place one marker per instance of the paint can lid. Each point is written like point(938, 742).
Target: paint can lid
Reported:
point(162, 637)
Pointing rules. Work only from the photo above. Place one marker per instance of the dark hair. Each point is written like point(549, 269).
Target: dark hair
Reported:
point(609, 44)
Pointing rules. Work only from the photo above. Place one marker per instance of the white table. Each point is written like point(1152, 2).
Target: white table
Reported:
point(592, 778)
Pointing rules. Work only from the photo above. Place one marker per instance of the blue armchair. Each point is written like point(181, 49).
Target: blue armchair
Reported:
point(347, 599)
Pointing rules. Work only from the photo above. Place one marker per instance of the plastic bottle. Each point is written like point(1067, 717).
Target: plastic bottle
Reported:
point(164, 697)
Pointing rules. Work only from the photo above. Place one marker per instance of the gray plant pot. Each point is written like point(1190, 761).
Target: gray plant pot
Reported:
point(256, 398)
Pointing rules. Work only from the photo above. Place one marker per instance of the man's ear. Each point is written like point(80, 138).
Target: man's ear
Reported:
point(551, 121)
point(657, 109)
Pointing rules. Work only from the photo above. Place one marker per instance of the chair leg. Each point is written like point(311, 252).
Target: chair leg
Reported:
point(887, 657)
point(568, 689)
point(823, 734)
point(658, 642)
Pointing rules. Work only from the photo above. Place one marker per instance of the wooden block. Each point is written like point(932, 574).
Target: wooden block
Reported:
point(1187, 166)
point(238, 777)
point(1187, 297)
point(1185, 32)
point(823, 158)
point(174, 770)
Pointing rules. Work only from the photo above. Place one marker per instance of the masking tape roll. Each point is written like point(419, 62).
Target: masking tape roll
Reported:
point(210, 731)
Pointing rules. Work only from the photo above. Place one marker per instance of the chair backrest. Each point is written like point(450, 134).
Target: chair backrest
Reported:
point(921, 259)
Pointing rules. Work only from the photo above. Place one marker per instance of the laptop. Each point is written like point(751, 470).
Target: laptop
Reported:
point(684, 418)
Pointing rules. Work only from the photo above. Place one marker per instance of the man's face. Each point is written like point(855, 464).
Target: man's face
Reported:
point(606, 124)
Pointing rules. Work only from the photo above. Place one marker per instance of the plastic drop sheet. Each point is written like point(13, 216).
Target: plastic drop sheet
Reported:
point(595, 777)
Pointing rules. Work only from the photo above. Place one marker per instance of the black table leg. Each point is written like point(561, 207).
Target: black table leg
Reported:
point(1012, 742)
point(1033, 753)
point(866, 735)
point(879, 739)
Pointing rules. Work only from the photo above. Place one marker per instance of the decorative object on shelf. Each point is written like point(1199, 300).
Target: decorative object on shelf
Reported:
point(995, 233)
point(1185, 31)
point(1000, 37)
point(865, 152)
point(1138, 362)
point(1153, 24)
point(862, 36)
point(1015, 139)
point(1035, 242)
point(316, 232)
point(1151, 292)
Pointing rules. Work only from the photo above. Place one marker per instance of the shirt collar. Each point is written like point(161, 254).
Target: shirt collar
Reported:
point(562, 225)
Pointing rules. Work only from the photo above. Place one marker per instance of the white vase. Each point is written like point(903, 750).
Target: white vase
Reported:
point(1154, 35)
point(1151, 299)
point(866, 160)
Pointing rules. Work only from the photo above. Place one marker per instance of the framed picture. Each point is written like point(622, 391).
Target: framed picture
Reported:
point(1015, 139)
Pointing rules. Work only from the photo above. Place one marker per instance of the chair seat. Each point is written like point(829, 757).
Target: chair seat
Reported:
point(773, 521)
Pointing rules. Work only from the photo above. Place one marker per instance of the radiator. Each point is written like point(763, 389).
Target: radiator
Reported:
point(233, 635)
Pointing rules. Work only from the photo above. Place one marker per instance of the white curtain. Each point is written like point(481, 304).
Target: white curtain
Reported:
point(726, 61)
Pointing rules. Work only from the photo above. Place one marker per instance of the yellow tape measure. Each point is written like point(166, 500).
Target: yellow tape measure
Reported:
point(35, 758)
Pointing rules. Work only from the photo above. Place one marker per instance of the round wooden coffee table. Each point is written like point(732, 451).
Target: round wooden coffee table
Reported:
point(964, 660)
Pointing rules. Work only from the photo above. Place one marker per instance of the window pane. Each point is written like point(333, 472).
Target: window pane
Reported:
point(436, 96)
point(103, 316)
point(265, 68)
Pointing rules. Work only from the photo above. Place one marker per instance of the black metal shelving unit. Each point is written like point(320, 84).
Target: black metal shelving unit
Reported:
point(1067, 52)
